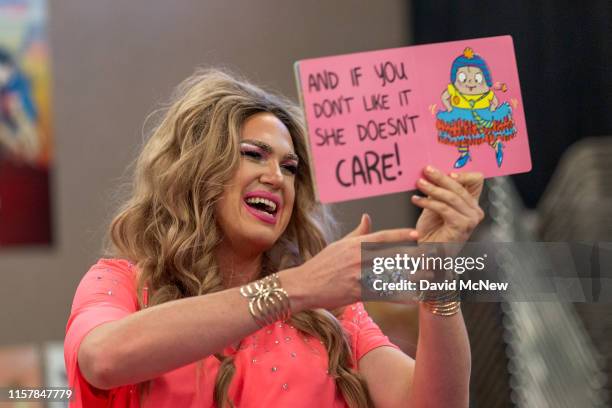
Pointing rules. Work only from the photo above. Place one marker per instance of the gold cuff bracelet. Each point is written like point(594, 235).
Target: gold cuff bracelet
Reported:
point(268, 301)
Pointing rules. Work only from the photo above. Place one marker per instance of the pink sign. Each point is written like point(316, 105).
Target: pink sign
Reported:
point(375, 119)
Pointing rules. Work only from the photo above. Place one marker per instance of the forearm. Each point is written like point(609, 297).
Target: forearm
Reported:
point(494, 103)
point(446, 101)
point(447, 104)
point(443, 362)
point(167, 336)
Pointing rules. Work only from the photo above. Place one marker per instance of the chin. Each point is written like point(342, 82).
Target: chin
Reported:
point(261, 236)
point(260, 243)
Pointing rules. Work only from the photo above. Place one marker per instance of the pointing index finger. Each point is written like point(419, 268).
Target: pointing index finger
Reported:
point(392, 235)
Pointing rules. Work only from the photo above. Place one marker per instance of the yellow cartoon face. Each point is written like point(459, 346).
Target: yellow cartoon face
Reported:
point(471, 81)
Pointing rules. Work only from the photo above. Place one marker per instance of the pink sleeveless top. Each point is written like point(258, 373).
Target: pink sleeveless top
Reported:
point(275, 366)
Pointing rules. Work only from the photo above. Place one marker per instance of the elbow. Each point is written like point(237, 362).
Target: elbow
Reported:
point(96, 365)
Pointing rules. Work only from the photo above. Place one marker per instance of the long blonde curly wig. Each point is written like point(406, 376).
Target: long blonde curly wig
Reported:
point(168, 227)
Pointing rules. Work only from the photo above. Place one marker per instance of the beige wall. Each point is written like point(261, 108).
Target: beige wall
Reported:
point(113, 62)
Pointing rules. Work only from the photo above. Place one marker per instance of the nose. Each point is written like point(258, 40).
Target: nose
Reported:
point(272, 175)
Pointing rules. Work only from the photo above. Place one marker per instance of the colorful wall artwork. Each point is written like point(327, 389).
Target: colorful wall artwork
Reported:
point(25, 124)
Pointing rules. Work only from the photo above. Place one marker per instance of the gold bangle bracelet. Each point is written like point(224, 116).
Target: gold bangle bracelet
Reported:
point(441, 303)
point(443, 308)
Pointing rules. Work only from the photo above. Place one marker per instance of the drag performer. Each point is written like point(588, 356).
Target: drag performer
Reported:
point(223, 287)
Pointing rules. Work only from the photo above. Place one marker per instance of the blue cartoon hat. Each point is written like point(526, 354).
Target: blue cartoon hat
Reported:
point(469, 59)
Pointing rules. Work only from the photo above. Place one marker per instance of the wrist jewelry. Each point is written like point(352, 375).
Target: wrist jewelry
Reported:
point(268, 301)
point(441, 303)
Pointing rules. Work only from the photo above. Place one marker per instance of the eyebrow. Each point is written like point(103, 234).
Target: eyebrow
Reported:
point(268, 149)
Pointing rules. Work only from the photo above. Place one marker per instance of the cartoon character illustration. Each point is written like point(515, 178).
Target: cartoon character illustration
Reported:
point(473, 113)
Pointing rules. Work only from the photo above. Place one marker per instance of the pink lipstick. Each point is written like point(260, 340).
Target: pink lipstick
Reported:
point(263, 205)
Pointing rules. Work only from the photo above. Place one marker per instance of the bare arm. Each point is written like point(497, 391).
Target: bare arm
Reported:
point(494, 103)
point(446, 100)
point(442, 371)
point(438, 378)
point(164, 337)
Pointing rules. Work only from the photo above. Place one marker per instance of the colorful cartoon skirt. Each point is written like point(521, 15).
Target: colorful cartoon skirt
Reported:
point(462, 127)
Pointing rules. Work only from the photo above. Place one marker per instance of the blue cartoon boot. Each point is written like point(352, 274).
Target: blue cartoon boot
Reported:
point(499, 153)
point(463, 158)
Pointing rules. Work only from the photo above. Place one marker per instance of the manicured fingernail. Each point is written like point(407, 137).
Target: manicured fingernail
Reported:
point(414, 234)
point(416, 197)
point(430, 169)
point(454, 175)
point(423, 182)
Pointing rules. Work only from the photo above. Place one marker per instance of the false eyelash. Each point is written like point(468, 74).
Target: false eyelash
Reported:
point(251, 153)
point(291, 168)
point(255, 155)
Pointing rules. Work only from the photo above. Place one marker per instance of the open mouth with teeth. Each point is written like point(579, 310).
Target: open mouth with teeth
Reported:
point(262, 208)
